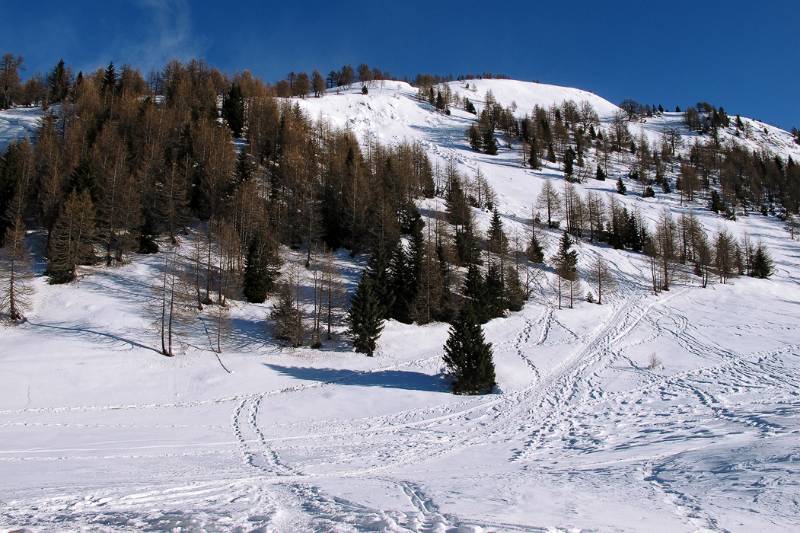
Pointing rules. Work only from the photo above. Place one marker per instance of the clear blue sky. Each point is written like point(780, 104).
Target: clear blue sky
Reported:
point(743, 55)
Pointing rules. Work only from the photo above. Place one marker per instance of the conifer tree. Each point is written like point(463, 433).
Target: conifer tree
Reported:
point(533, 157)
point(468, 357)
point(513, 291)
point(621, 189)
point(497, 241)
point(489, 142)
point(474, 135)
point(566, 264)
point(600, 175)
point(761, 263)
point(551, 153)
point(260, 269)
point(535, 251)
point(494, 291)
point(14, 273)
point(569, 157)
point(71, 239)
point(233, 109)
point(476, 294)
point(365, 316)
point(287, 315)
point(469, 107)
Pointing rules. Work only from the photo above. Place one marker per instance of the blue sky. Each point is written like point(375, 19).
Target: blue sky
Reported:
point(744, 56)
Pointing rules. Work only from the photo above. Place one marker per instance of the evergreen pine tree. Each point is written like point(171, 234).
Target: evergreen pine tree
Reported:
point(535, 252)
point(233, 110)
point(475, 293)
point(474, 135)
point(566, 263)
point(600, 176)
point(287, 317)
point(533, 157)
point(469, 107)
point(551, 153)
point(569, 157)
point(761, 263)
point(496, 237)
point(260, 270)
point(494, 291)
point(489, 142)
point(621, 186)
point(365, 316)
point(514, 293)
point(71, 238)
point(468, 357)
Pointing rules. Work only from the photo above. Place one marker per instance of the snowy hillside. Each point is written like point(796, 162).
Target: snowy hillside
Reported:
point(18, 123)
point(661, 413)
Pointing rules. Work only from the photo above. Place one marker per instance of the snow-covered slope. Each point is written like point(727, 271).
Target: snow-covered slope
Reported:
point(18, 123)
point(676, 412)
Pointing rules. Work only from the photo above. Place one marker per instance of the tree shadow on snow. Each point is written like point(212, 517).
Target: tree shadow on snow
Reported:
point(389, 379)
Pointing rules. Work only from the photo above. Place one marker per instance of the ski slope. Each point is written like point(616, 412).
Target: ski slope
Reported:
point(100, 432)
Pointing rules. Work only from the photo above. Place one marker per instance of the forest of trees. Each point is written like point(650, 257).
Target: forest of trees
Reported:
point(124, 165)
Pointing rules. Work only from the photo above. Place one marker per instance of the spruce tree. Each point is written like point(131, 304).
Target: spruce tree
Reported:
point(489, 142)
point(287, 317)
point(551, 154)
point(233, 110)
point(71, 238)
point(494, 291)
point(514, 293)
point(476, 294)
point(474, 135)
point(260, 270)
point(468, 357)
point(533, 157)
point(621, 186)
point(566, 263)
point(401, 283)
point(365, 316)
point(469, 107)
point(569, 157)
point(496, 237)
point(761, 263)
point(535, 252)
point(600, 175)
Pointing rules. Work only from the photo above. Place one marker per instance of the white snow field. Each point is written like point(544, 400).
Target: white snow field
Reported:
point(99, 432)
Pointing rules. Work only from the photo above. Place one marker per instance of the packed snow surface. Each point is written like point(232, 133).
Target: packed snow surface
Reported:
point(670, 412)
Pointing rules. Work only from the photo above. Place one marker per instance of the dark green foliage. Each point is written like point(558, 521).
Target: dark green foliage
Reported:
point(364, 90)
point(533, 157)
point(261, 269)
point(467, 245)
point(496, 238)
point(287, 318)
point(648, 192)
point(489, 142)
point(535, 251)
point(569, 158)
point(621, 186)
point(401, 283)
point(514, 292)
point(233, 110)
point(761, 263)
point(365, 316)
point(469, 107)
point(474, 135)
point(468, 357)
point(551, 153)
point(715, 203)
point(566, 260)
point(600, 175)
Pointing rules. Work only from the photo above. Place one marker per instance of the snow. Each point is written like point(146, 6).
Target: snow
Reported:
point(100, 432)
point(18, 123)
